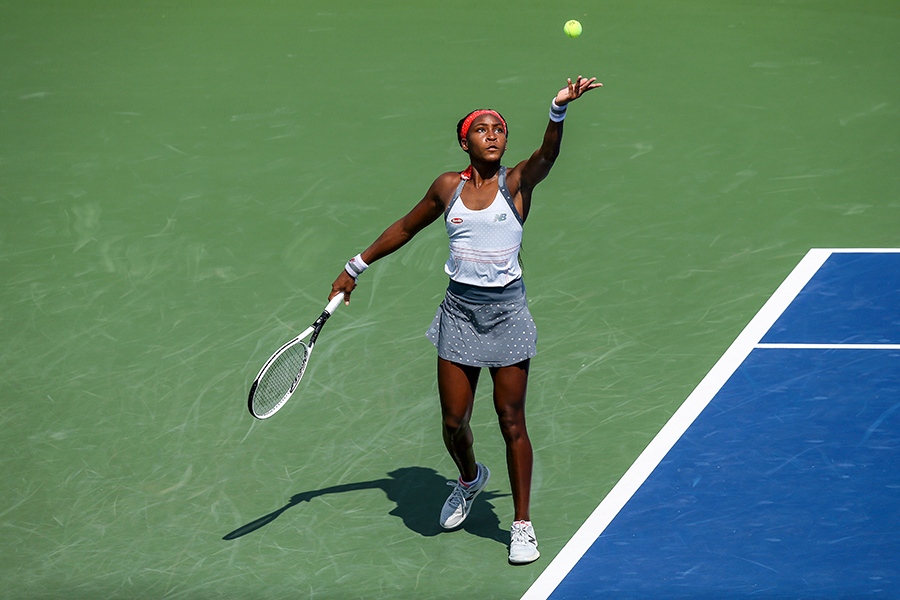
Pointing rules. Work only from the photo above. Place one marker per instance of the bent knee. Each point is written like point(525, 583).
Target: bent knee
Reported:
point(454, 423)
point(512, 424)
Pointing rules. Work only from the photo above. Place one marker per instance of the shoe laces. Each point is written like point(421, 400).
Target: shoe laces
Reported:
point(521, 535)
point(460, 494)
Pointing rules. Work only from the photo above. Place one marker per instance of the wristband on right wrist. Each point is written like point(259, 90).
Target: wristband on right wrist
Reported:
point(355, 266)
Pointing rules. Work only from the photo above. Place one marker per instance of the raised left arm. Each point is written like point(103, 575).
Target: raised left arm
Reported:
point(535, 169)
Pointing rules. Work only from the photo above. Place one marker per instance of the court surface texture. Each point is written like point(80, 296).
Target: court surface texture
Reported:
point(181, 182)
point(778, 477)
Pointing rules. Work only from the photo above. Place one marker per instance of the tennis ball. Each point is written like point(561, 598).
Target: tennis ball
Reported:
point(572, 28)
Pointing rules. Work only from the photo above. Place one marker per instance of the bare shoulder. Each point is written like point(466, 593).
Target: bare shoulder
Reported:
point(448, 180)
point(444, 186)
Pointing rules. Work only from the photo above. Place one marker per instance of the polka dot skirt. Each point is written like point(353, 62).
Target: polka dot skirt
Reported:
point(483, 335)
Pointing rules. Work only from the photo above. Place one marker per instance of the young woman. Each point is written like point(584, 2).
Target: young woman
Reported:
point(484, 319)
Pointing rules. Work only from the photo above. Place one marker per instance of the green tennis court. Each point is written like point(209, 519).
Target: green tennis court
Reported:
point(181, 182)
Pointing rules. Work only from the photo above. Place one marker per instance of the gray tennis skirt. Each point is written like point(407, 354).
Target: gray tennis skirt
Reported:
point(481, 327)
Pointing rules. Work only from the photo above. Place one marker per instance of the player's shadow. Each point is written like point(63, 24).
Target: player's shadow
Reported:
point(419, 494)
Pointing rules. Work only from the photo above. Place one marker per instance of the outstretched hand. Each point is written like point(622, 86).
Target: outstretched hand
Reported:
point(575, 90)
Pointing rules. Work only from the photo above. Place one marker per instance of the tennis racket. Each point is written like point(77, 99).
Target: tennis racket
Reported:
point(279, 377)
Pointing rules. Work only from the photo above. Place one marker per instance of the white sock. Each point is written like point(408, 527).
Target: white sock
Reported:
point(471, 483)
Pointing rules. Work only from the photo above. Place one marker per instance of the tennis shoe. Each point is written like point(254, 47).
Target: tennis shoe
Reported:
point(458, 505)
point(522, 544)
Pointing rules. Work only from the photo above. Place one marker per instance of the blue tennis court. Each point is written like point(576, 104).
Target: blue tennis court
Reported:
point(778, 477)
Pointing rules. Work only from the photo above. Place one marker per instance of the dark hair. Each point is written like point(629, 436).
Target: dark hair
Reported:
point(463, 120)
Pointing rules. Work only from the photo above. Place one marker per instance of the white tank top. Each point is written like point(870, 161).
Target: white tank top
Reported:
point(484, 244)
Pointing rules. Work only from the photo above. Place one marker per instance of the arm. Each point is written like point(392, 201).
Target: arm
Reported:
point(394, 237)
point(531, 172)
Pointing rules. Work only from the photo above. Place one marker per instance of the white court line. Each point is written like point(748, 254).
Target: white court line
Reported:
point(831, 346)
point(635, 476)
point(861, 250)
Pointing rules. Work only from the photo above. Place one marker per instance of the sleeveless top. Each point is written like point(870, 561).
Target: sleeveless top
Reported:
point(484, 244)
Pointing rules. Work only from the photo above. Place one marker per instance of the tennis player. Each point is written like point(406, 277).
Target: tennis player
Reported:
point(483, 320)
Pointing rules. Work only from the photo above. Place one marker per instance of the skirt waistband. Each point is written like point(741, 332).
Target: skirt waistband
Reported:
point(487, 295)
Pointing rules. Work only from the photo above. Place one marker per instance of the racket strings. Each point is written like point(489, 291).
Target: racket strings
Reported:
point(279, 381)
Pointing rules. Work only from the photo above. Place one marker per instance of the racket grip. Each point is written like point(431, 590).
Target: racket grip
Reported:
point(335, 302)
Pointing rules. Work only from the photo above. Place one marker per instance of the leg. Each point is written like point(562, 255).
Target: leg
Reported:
point(456, 385)
point(509, 401)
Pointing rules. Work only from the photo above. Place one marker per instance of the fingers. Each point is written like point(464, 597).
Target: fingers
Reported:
point(590, 84)
point(574, 90)
point(580, 86)
point(346, 296)
point(344, 283)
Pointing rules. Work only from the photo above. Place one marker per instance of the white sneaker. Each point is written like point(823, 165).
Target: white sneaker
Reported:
point(457, 506)
point(523, 544)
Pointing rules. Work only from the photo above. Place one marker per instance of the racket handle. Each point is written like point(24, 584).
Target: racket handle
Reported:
point(335, 302)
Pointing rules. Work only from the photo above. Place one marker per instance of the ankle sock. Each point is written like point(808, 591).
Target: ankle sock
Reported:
point(471, 483)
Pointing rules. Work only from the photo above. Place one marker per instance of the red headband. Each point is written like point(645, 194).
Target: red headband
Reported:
point(465, 126)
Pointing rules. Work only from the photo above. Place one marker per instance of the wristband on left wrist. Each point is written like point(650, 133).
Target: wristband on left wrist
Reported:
point(557, 112)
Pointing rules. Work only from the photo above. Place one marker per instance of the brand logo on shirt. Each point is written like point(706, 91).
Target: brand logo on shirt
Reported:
point(500, 217)
point(456, 220)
